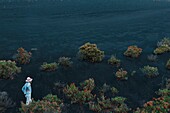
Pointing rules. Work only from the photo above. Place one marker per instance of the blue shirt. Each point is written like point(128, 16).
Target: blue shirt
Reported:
point(27, 88)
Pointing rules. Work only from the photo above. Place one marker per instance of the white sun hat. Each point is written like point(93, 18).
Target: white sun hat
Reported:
point(29, 79)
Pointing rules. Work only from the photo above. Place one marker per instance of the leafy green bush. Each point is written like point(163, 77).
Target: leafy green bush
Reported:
point(49, 66)
point(133, 51)
point(76, 95)
point(65, 61)
point(157, 105)
point(162, 49)
point(114, 90)
point(118, 100)
point(150, 71)
point(121, 74)
point(22, 57)
point(80, 95)
point(114, 61)
point(163, 46)
point(49, 104)
point(91, 53)
point(88, 84)
point(164, 42)
point(104, 88)
point(106, 105)
point(164, 92)
point(8, 69)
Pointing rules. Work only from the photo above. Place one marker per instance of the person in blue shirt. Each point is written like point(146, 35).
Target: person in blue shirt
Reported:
point(27, 90)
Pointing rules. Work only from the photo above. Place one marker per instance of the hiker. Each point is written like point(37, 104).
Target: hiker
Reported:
point(27, 90)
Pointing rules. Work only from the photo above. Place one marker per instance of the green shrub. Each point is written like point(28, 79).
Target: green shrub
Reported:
point(121, 74)
point(118, 100)
point(80, 95)
point(157, 105)
point(133, 51)
point(164, 42)
point(49, 66)
point(162, 49)
point(88, 84)
point(8, 69)
point(65, 61)
point(109, 105)
point(106, 104)
point(22, 57)
point(49, 104)
point(76, 95)
point(114, 90)
point(114, 61)
point(95, 107)
point(163, 46)
point(91, 53)
point(150, 71)
point(164, 92)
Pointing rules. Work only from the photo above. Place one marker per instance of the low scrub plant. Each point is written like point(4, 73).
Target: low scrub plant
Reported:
point(91, 53)
point(49, 66)
point(8, 69)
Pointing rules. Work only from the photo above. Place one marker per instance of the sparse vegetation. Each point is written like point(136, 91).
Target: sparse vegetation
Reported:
point(133, 51)
point(104, 88)
point(114, 91)
point(150, 71)
point(106, 105)
point(76, 95)
point(91, 53)
point(49, 66)
point(163, 46)
point(5, 102)
point(22, 57)
point(65, 61)
point(152, 58)
point(8, 69)
point(103, 101)
point(49, 104)
point(88, 84)
point(121, 74)
point(114, 61)
point(157, 105)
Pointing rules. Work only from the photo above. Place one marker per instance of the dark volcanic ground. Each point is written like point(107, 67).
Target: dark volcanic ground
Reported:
point(58, 28)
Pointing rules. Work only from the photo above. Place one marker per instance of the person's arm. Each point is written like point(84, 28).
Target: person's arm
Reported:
point(24, 89)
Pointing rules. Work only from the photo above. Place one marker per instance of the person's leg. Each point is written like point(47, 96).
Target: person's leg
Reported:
point(30, 100)
point(27, 100)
